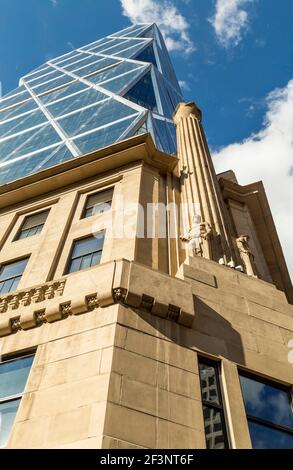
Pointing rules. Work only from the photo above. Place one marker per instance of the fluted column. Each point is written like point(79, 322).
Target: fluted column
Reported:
point(200, 188)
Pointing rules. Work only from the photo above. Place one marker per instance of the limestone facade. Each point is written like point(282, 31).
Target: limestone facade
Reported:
point(117, 345)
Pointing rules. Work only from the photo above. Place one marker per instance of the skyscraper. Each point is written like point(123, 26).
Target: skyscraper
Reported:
point(120, 326)
point(94, 96)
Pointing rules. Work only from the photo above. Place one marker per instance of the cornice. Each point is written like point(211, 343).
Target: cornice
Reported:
point(117, 282)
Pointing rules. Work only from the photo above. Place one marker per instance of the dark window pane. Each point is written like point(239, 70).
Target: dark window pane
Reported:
point(86, 252)
point(209, 386)
point(74, 265)
point(15, 282)
point(13, 376)
point(35, 219)
point(7, 415)
point(96, 259)
point(264, 437)
point(86, 261)
point(143, 93)
point(6, 286)
point(213, 412)
point(267, 402)
point(85, 246)
point(13, 269)
point(148, 55)
point(98, 203)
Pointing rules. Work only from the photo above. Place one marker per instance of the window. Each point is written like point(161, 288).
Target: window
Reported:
point(269, 413)
point(98, 203)
point(213, 412)
point(86, 252)
point(143, 93)
point(13, 377)
point(10, 275)
point(32, 225)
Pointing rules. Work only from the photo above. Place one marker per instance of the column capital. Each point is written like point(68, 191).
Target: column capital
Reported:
point(184, 110)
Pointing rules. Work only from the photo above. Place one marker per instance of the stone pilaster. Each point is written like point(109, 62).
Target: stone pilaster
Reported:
point(208, 230)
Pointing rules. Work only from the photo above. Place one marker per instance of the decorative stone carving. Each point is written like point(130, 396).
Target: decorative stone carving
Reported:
point(35, 295)
point(246, 255)
point(15, 324)
point(65, 309)
point(3, 305)
point(92, 302)
point(40, 317)
point(119, 294)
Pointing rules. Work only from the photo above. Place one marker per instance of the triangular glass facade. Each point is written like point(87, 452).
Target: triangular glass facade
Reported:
point(94, 96)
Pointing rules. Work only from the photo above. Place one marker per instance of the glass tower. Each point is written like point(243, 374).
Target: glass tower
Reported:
point(94, 96)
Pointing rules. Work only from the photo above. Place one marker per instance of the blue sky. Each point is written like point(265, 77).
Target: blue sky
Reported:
point(234, 57)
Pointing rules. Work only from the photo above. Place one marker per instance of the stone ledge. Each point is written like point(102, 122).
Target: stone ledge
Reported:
point(115, 282)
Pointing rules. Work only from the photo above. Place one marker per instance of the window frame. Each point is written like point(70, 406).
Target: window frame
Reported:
point(17, 396)
point(87, 196)
point(272, 383)
point(20, 230)
point(70, 259)
point(218, 407)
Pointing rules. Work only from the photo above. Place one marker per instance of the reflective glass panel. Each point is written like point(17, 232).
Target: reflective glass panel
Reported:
point(112, 72)
point(52, 75)
point(63, 92)
point(28, 142)
point(267, 402)
point(121, 46)
point(103, 45)
point(8, 412)
point(143, 93)
point(67, 59)
point(14, 100)
point(130, 52)
point(38, 161)
point(93, 117)
point(32, 225)
point(85, 60)
point(135, 32)
point(117, 85)
point(264, 437)
point(98, 203)
point(103, 137)
point(209, 385)
point(91, 68)
point(53, 84)
point(17, 110)
point(13, 376)
point(213, 412)
point(214, 429)
point(10, 275)
point(147, 55)
point(15, 91)
point(22, 123)
point(75, 102)
point(38, 72)
point(86, 252)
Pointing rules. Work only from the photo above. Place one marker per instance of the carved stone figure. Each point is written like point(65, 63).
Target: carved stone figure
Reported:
point(246, 255)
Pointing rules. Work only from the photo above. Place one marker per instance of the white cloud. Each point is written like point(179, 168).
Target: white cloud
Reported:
point(230, 21)
point(171, 22)
point(54, 3)
point(268, 156)
point(184, 85)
